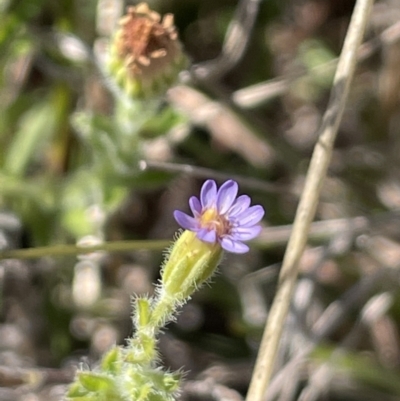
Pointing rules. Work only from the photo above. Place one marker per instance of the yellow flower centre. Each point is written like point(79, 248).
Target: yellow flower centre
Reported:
point(211, 220)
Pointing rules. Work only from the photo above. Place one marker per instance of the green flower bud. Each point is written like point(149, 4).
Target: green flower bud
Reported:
point(191, 263)
point(146, 55)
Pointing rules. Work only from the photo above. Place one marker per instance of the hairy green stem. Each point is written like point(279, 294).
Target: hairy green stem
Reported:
point(162, 311)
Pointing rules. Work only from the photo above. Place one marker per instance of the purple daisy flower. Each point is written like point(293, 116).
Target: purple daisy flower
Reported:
point(221, 217)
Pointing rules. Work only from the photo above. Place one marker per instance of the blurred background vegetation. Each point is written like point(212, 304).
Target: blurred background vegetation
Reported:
point(78, 167)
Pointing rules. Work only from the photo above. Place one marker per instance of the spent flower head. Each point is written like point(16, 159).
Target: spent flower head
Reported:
point(146, 55)
point(219, 216)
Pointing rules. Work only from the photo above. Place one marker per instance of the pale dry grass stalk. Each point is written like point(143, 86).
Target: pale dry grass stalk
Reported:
point(308, 201)
point(66, 250)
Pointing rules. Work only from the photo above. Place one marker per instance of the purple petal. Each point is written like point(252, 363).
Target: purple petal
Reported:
point(246, 233)
point(207, 235)
point(250, 216)
point(195, 206)
point(234, 246)
point(241, 204)
point(185, 221)
point(226, 196)
point(208, 194)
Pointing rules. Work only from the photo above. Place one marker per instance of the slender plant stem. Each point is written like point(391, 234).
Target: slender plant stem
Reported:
point(270, 237)
point(65, 250)
point(308, 201)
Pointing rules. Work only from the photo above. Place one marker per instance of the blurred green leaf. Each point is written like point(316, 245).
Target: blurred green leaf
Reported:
point(36, 127)
point(161, 123)
point(361, 367)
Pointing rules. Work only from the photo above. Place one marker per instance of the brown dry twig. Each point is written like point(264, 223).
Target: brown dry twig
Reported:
point(235, 44)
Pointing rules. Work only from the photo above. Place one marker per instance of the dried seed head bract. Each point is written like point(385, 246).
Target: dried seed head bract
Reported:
point(146, 55)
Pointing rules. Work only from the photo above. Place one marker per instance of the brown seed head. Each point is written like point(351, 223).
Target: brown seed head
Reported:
point(145, 42)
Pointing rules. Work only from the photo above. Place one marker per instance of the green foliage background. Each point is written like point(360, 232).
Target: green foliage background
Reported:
point(70, 155)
